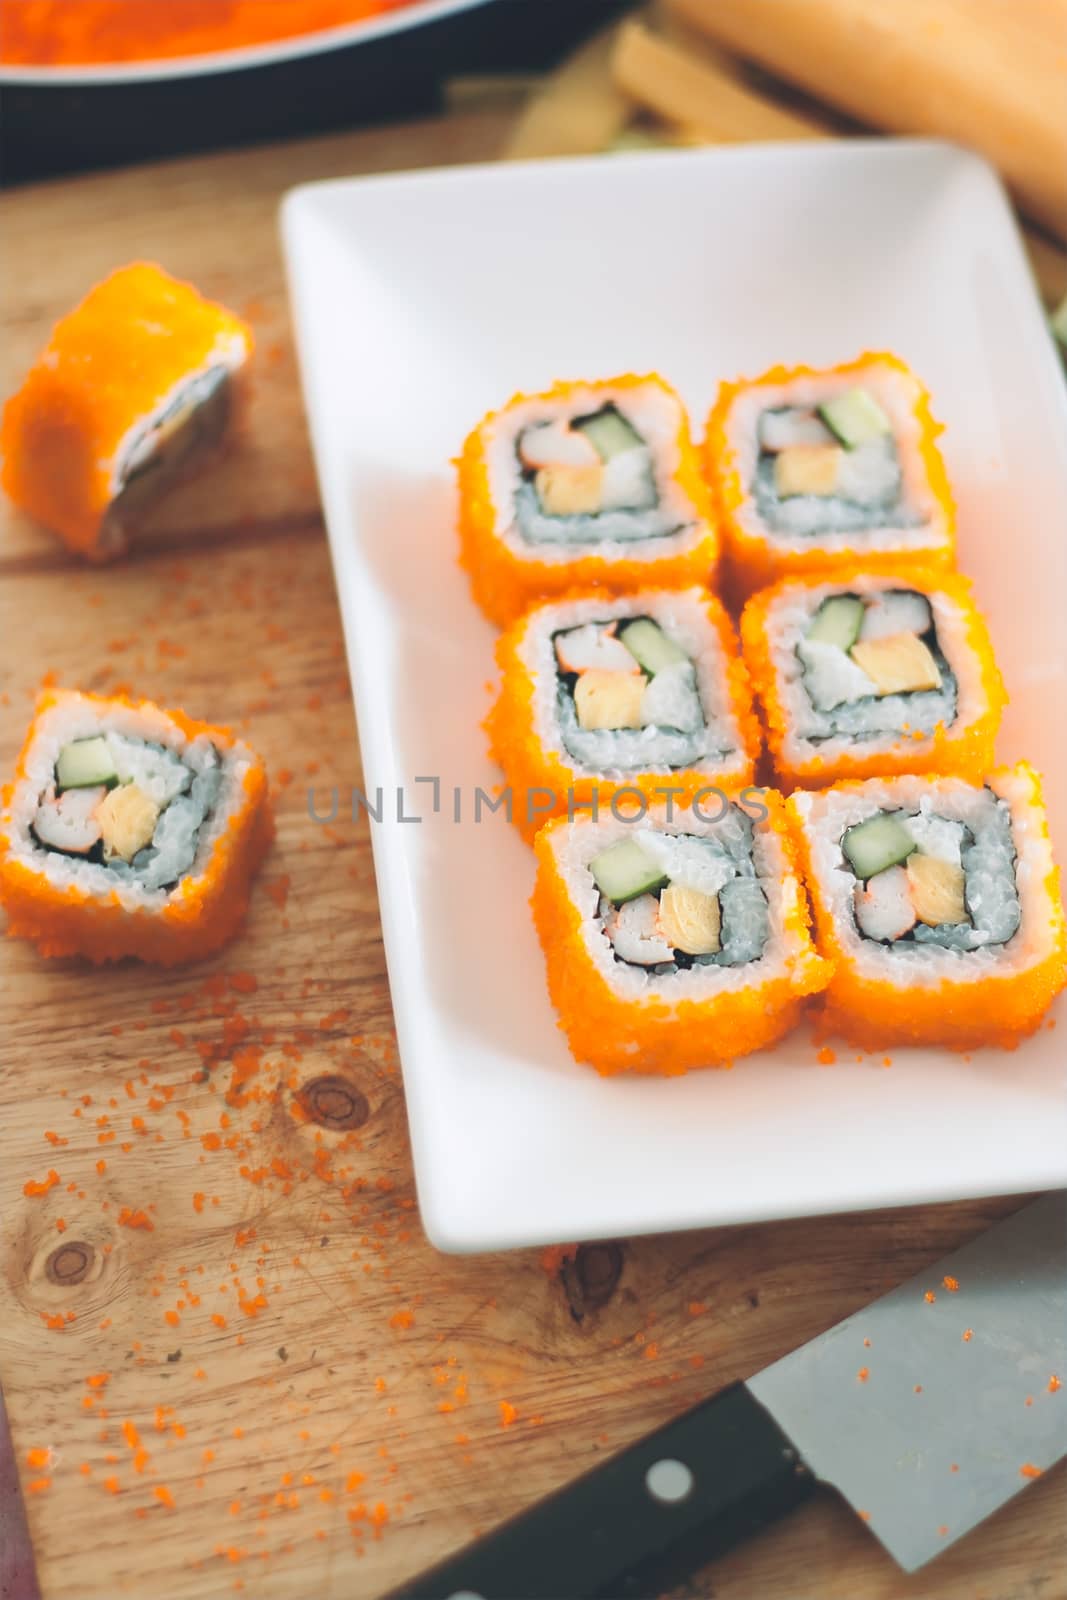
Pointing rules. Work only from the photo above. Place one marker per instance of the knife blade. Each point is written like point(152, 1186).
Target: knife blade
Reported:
point(927, 1410)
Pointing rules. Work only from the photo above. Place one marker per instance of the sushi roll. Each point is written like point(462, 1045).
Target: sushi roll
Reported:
point(678, 941)
point(599, 694)
point(589, 483)
point(134, 384)
point(878, 672)
point(814, 469)
point(937, 903)
point(130, 831)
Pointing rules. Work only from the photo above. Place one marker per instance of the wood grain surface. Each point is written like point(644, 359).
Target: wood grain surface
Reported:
point(231, 1361)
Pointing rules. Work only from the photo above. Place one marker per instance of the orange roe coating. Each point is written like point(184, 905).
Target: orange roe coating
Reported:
point(75, 32)
point(109, 365)
point(505, 584)
point(200, 915)
point(754, 559)
point(1000, 1008)
point(963, 749)
point(616, 1034)
point(516, 747)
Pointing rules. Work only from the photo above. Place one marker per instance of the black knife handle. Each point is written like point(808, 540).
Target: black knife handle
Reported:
point(616, 1533)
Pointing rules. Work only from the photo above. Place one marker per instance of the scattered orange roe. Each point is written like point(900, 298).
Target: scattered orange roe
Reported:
point(930, 1296)
point(968, 1335)
point(32, 1188)
point(136, 1219)
point(38, 1457)
point(162, 1493)
point(1054, 1384)
point(402, 1319)
point(1028, 1470)
point(863, 1374)
point(826, 1057)
point(508, 1413)
point(951, 1284)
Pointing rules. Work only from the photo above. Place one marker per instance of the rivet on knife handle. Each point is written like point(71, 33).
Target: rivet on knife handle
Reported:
point(643, 1520)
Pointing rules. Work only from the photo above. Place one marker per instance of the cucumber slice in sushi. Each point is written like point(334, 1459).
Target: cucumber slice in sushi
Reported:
point(84, 764)
point(650, 646)
point(838, 621)
point(609, 433)
point(876, 845)
point(623, 871)
point(855, 417)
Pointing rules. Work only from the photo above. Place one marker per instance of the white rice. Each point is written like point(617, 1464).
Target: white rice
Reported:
point(682, 615)
point(1011, 858)
point(831, 735)
point(575, 844)
point(657, 416)
point(920, 522)
point(230, 351)
point(75, 716)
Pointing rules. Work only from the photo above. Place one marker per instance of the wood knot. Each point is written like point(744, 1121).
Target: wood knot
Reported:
point(591, 1277)
point(334, 1102)
point(70, 1264)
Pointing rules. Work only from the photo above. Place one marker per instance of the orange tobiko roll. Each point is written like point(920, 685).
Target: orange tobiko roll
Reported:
point(635, 696)
point(134, 384)
point(869, 673)
point(679, 940)
point(588, 484)
point(130, 831)
point(815, 468)
point(937, 905)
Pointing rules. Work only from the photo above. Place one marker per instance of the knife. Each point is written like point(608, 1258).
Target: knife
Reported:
point(927, 1411)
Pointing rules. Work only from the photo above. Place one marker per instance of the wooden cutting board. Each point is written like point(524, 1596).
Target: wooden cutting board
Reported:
point(231, 1360)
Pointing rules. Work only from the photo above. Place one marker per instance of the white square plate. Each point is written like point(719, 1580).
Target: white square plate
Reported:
point(423, 300)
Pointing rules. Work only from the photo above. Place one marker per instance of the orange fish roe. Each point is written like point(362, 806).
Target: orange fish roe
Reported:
point(113, 365)
point(1028, 1470)
point(950, 1283)
point(506, 577)
point(135, 1219)
point(32, 1188)
point(965, 747)
point(531, 753)
point(79, 32)
point(201, 914)
point(508, 1413)
point(1054, 1384)
point(755, 556)
point(993, 996)
point(617, 1032)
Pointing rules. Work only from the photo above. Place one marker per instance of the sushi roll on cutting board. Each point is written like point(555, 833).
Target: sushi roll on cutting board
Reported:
point(589, 483)
point(937, 903)
point(868, 673)
point(130, 831)
point(820, 468)
point(675, 942)
point(640, 693)
point(133, 387)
